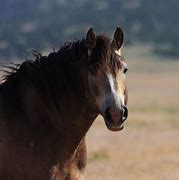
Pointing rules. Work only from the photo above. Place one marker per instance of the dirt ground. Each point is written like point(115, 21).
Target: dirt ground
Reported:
point(148, 147)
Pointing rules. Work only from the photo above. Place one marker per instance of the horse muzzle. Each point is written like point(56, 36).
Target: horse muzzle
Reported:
point(114, 118)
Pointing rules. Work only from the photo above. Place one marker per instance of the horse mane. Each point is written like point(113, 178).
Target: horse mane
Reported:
point(15, 69)
point(48, 71)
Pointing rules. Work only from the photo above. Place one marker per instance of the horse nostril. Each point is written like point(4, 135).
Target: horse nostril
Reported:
point(125, 113)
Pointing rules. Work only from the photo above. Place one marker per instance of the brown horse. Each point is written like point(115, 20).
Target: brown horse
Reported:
point(48, 105)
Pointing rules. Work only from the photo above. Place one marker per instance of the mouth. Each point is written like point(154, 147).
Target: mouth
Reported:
point(115, 119)
point(121, 127)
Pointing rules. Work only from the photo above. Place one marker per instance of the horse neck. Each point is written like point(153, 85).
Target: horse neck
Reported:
point(76, 117)
point(52, 98)
point(71, 127)
point(67, 108)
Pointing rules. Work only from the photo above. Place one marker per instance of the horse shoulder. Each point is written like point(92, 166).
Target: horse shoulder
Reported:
point(74, 169)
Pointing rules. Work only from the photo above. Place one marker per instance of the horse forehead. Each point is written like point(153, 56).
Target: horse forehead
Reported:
point(115, 81)
point(118, 54)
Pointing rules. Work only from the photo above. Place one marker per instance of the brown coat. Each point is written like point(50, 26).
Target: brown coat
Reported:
point(48, 105)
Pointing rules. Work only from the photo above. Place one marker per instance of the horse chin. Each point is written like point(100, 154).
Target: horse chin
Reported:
point(113, 127)
point(116, 128)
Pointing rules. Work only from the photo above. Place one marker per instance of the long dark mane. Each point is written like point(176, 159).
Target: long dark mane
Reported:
point(45, 72)
point(59, 74)
point(71, 53)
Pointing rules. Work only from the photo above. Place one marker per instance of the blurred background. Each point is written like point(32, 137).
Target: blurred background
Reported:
point(148, 147)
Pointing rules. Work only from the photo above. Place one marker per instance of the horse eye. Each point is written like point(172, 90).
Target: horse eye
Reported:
point(125, 70)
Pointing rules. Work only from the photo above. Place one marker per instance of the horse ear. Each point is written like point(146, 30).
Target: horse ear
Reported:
point(90, 39)
point(118, 38)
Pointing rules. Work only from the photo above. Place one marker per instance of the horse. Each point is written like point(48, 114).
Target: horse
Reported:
point(48, 104)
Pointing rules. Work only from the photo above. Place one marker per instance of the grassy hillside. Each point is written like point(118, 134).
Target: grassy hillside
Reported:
point(29, 24)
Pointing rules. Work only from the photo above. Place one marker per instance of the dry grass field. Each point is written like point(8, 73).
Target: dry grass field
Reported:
point(148, 147)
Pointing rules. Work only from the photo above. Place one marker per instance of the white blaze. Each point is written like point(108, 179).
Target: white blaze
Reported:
point(111, 82)
point(119, 98)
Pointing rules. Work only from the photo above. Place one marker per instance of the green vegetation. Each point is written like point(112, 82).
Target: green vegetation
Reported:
point(99, 155)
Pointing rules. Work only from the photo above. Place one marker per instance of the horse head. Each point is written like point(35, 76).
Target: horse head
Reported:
point(107, 78)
